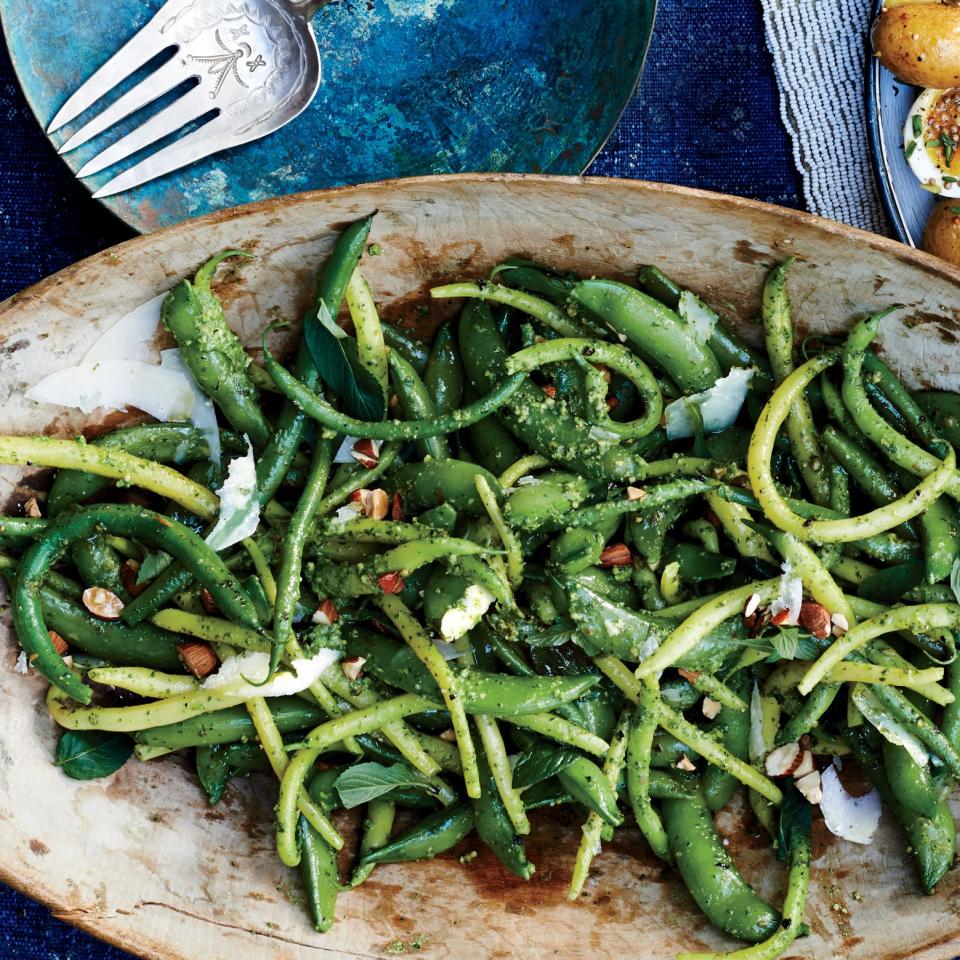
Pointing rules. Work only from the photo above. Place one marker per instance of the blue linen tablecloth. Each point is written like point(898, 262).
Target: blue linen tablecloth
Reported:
point(706, 115)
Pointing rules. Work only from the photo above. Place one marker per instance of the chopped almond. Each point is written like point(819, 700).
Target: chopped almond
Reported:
point(816, 618)
point(396, 510)
point(616, 555)
point(102, 603)
point(376, 504)
point(810, 787)
point(352, 667)
point(326, 613)
point(840, 624)
point(550, 390)
point(357, 496)
point(805, 766)
point(613, 403)
point(605, 370)
point(391, 582)
point(197, 657)
point(751, 608)
point(685, 764)
point(711, 708)
point(209, 604)
point(59, 644)
point(780, 618)
point(782, 761)
point(635, 493)
point(689, 675)
point(32, 509)
point(366, 453)
point(129, 570)
point(449, 735)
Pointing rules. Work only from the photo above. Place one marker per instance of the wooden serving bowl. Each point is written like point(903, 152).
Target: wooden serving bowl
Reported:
point(141, 860)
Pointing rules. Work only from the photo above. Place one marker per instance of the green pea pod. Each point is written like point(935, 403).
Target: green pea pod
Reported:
point(944, 410)
point(377, 827)
point(554, 494)
point(654, 330)
point(545, 425)
point(442, 517)
point(494, 826)
point(414, 351)
point(585, 782)
point(648, 534)
point(575, 550)
point(664, 786)
point(212, 351)
point(435, 834)
point(911, 784)
point(698, 565)
point(548, 793)
point(710, 874)
point(318, 868)
point(718, 785)
point(492, 444)
point(98, 564)
point(417, 404)
point(443, 591)
point(232, 725)
point(444, 374)
point(426, 485)
point(213, 771)
point(940, 535)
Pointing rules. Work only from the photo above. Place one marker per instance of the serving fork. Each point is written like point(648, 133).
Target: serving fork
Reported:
point(254, 66)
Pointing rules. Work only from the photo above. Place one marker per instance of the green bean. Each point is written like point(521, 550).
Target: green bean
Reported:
point(435, 834)
point(718, 785)
point(639, 750)
point(415, 352)
point(778, 332)
point(494, 826)
point(371, 349)
point(940, 534)
point(499, 764)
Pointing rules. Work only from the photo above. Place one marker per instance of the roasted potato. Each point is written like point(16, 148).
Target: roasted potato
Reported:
point(942, 235)
point(920, 43)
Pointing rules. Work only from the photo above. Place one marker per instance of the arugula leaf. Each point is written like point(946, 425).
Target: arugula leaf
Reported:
point(364, 782)
point(796, 818)
point(152, 566)
point(540, 762)
point(955, 579)
point(90, 754)
point(334, 354)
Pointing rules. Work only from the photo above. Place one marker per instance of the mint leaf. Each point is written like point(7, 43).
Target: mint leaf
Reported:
point(540, 762)
point(793, 827)
point(152, 566)
point(90, 754)
point(334, 355)
point(364, 782)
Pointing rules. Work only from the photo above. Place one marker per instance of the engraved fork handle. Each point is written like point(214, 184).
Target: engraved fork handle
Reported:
point(306, 8)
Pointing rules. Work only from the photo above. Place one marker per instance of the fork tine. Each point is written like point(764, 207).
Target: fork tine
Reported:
point(149, 89)
point(140, 48)
point(195, 146)
point(189, 107)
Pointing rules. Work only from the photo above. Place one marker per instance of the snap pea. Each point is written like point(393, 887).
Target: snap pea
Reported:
point(494, 827)
point(377, 827)
point(944, 410)
point(435, 834)
point(416, 403)
point(318, 860)
point(910, 783)
point(424, 485)
point(940, 535)
point(710, 874)
point(414, 351)
point(639, 775)
point(192, 312)
point(718, 785)
point(444, 373)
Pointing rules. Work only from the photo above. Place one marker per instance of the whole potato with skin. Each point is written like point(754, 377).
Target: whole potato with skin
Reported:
point(920, 43)
point(942, 235)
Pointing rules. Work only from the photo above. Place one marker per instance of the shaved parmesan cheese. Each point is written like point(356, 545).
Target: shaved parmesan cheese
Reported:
point(132, 337)
point(698, 315)
point(466, 613)
point(528, 481)
point(345, 450)
point(890, 729)
point(447, 650)
point(238, 676)
point(346, 513)
point(203, 415)
point(116, 384)
point(790, 597)
point(239, 507)
point(21, 665)
point(852, 818)
point(719, 406)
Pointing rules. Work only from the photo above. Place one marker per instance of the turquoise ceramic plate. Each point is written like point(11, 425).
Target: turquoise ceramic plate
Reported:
point(409, 87)
point(889, 101)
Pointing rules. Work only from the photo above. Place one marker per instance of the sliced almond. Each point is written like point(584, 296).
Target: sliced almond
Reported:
point(805, 766)
point(366, 453)
point(815, 617)
point(840, 624)
point(352, 667)
point(449, 735)
point(32, 509)
point(129, 571)
point(635, 493)
point(198, 658)
point(751, 608)
point(782, 761)
point(396, 510)
point(810, 787)
point(684, 763)
point(550, 390)
point(711, 708)
point(326, 613)
point(209, 604)
point(102, 603)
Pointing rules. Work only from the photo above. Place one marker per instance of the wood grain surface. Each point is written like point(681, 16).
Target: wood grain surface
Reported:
point(142, 861)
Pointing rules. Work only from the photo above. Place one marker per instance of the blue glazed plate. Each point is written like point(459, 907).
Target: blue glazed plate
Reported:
point(409, 87)
point(889, 101)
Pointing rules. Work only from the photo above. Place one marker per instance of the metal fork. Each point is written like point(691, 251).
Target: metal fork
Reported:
point(257, 67)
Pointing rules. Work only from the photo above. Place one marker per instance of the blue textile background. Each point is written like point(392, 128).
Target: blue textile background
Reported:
point(706, 115)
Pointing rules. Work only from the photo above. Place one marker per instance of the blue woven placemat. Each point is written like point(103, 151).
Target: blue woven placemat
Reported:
point(706, 115)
